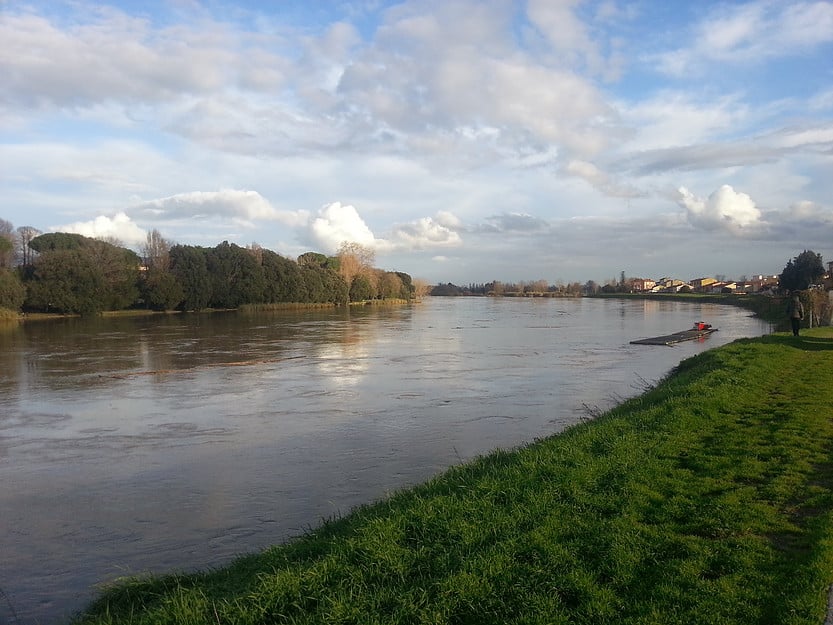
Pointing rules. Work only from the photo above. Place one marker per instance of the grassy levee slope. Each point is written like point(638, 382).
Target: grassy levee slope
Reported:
point(709, 499)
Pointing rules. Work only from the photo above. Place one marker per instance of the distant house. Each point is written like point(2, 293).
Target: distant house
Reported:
point(701, 285)
point(723, 287)
point(763, 283)
point(669, 285)
point(642, 284)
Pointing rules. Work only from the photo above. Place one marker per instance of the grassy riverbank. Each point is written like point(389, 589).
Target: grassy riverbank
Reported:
point(707, 500)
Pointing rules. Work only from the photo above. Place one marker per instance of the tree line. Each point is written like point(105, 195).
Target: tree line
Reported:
point(537, 288)
point(70, 273)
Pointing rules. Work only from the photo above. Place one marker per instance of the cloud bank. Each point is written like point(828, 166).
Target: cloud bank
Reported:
point(444, 134)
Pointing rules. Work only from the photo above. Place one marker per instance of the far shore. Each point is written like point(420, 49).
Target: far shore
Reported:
point(767, 307)
point(14, 316)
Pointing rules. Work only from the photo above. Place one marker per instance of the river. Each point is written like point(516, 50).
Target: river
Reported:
point(176, 442)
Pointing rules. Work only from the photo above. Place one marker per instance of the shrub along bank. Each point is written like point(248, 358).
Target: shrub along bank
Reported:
point(709, 499)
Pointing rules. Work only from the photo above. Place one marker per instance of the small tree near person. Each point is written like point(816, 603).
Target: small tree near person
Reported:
point(802, 271)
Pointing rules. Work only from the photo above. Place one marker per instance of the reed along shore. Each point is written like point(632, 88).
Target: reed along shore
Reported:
point(706, 500)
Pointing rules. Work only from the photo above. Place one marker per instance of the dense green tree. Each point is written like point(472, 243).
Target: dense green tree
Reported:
point(189, 267)
point(446, 289)
point(361, 289)
point(67, 281)
point(335, 288)
point(313, 259)
point(805, 269)
point(12, 291)
point(119, 266)
point(76, 274)
point(408, 288)
point(120, 269)
point(323, 285)
point(236, 277)
point(52, 241)
point(161, 290)
point(282, 276)
point(313, 284)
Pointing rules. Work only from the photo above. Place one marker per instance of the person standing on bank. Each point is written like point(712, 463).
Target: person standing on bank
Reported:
point(795, 311)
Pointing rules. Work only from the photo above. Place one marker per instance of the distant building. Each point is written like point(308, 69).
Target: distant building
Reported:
point(642, 284)
point(701, 285)
point(763, 283)
point(669, 285)
point(723, 287)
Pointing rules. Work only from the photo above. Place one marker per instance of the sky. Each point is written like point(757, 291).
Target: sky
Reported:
point(463, 141)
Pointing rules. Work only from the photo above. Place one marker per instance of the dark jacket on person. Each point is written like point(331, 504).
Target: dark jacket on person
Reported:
point(795, 309)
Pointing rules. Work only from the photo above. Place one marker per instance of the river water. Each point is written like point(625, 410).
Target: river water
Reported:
point(153, 444)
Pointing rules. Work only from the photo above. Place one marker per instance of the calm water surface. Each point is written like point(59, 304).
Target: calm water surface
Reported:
point(179, 442)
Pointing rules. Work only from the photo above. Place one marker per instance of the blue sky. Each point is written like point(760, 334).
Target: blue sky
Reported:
point(464, 141)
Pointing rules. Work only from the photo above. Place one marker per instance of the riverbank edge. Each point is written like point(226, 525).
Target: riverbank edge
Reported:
point(662, 510)
point(11, 316)
point(767, 307)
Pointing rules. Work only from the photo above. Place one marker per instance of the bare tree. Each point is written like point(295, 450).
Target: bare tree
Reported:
point(25, 235)
point(355, 259)
point(111, 240)
point(421, 287)
point(156, 251)
point(540, 286)
point(256, 250)
point(6, 244)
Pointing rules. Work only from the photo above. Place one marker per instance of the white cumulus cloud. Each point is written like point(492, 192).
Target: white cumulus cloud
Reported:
point(448, 220)
point(120, 227)
point(338, 223)
point(427, 233)
point(725, 209)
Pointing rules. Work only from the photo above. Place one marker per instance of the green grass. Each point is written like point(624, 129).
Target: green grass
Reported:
point(707, 500)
